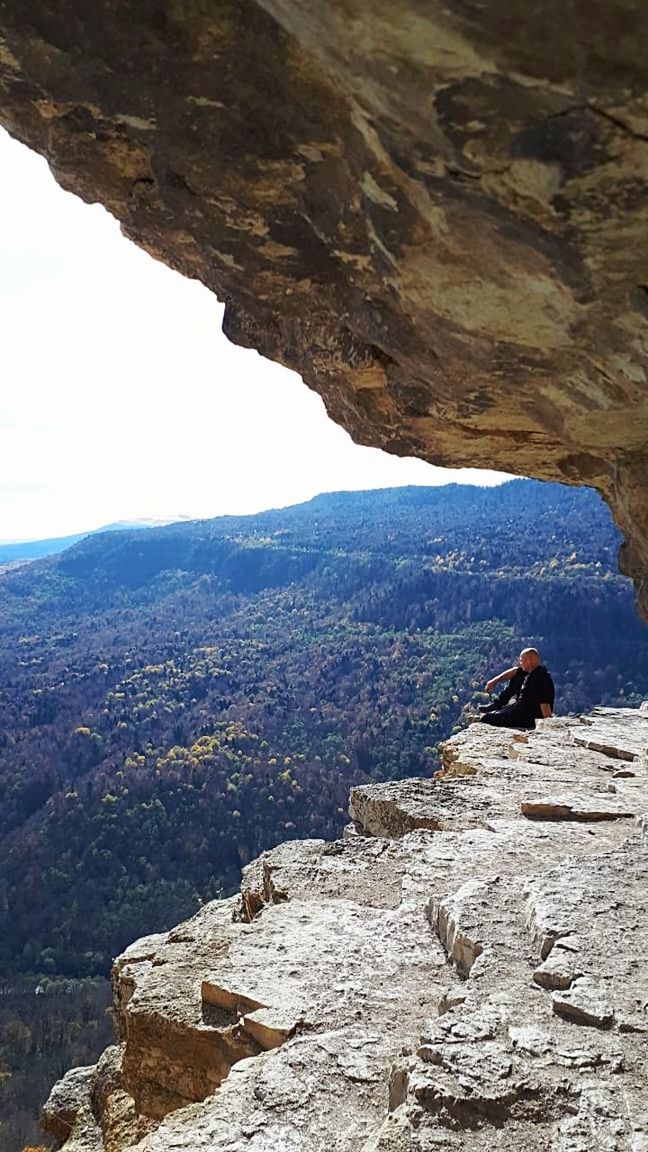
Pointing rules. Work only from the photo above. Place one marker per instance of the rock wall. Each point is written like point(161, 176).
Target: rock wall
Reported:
point(466, 968)
point(437, 213)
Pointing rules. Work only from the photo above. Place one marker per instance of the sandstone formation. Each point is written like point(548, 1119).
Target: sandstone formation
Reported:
point(465, 969)
point(437, 213)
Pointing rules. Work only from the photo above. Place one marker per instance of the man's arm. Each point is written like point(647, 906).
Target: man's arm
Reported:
point(508, 675)
point(546, 711)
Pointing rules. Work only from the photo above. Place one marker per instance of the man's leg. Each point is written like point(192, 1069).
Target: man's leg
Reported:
point(511, 717)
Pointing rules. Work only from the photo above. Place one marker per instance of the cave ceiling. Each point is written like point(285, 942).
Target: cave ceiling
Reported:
point(436, 213)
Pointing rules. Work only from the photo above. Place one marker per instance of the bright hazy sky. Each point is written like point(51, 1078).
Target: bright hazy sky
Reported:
point(122, 399)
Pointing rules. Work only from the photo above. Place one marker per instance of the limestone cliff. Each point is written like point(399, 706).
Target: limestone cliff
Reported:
point(437, 213)
point(466, 969)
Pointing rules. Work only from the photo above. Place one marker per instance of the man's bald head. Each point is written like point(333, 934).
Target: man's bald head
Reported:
point(529, 659)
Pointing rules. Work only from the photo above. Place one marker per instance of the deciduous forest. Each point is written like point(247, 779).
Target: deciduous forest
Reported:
point(174, 701)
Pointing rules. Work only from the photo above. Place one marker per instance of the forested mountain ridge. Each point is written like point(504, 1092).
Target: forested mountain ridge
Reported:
point(22, 551)
point(545, 521)
point(175, 700)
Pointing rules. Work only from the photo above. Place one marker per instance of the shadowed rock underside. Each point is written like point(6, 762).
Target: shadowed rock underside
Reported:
point(436, 213)
point(465, 969)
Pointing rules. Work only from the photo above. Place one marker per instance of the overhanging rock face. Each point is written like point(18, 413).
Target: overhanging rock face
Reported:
point(436, 213)
point(465, 970)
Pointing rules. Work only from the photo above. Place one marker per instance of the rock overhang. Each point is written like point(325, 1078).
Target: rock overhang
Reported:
point(436, 213)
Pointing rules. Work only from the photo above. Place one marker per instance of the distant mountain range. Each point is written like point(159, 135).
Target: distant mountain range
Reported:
point(20, 551)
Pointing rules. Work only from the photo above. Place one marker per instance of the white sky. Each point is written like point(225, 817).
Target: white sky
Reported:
point(120, 397)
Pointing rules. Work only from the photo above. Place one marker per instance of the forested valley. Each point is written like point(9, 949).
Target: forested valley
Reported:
point(174, 701)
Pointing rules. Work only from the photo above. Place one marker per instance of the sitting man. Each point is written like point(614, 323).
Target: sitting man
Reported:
point(530, 688)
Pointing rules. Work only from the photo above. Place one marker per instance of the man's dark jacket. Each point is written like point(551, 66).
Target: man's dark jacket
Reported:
point(532, 689)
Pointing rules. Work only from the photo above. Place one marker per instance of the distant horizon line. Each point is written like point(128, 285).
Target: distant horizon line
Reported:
point(126, 522)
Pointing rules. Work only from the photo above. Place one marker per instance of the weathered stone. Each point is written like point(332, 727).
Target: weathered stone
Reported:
point(602, 1115)
point(369, 874)
point(577, 808)
point(65, 1100)
point(86, 1135)
point(606, 730)
point(561, 967)
point(478, 982)
point(436, 213)
point(393, 810)
point(175, 1049)
point(121, 1123)
point(561, 750)
point(585, 1003)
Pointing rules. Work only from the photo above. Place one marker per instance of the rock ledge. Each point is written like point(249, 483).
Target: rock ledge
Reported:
point(466, 967)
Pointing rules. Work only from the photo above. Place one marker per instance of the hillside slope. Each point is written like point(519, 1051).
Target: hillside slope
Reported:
point(176, 700)
point(22, 551)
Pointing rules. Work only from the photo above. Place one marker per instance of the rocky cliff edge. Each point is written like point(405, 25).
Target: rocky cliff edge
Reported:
point(467, 967)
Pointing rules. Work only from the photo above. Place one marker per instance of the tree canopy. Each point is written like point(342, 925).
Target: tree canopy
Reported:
point(174, 701)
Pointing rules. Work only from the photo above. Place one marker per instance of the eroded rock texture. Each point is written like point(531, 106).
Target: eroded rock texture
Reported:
point(466, 969)
point(437, 213)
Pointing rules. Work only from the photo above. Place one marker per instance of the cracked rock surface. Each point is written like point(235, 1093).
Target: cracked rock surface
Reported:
point(457, 972)
point(66, 1100)
point(436, 212)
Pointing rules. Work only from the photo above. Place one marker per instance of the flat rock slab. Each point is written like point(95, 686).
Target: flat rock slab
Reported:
point(588, 807)
point(585, 1003)
point(393, 810)
point(370, 875)
point(607, 730)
